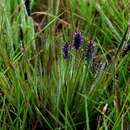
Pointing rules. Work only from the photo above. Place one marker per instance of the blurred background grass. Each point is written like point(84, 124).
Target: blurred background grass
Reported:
point(39, 89)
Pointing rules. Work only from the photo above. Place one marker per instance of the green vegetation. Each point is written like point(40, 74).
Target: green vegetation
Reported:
point(40, 89)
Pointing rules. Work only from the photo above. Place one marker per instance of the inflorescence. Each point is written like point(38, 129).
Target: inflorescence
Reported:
point(76, 43)
point(89, 51)
point(77, 40)
point(65, 50)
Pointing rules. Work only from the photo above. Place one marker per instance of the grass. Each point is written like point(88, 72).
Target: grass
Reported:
point(39, 89)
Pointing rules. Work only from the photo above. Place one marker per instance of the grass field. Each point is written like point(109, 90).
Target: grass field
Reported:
point(64, 65)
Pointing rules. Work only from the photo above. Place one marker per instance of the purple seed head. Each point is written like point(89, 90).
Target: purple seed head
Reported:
point(65, 50)
point(77, 40)
point(89, 50)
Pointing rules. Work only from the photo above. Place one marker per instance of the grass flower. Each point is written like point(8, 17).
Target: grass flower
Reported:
point(65, 50)
point(77, 40)
point(89, 51)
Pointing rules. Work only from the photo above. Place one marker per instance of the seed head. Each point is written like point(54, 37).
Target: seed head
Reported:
point(89, 51)
point(77, 40)
point(65, 50)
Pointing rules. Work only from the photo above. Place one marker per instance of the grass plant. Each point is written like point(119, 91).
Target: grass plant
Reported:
point(41, 89)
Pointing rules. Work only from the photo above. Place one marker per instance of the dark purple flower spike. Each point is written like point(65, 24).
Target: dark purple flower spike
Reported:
point(65, 50)
point(77, 40)
point(89, 51)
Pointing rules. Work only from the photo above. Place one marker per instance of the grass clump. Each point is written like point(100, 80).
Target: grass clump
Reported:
point(62, 64)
